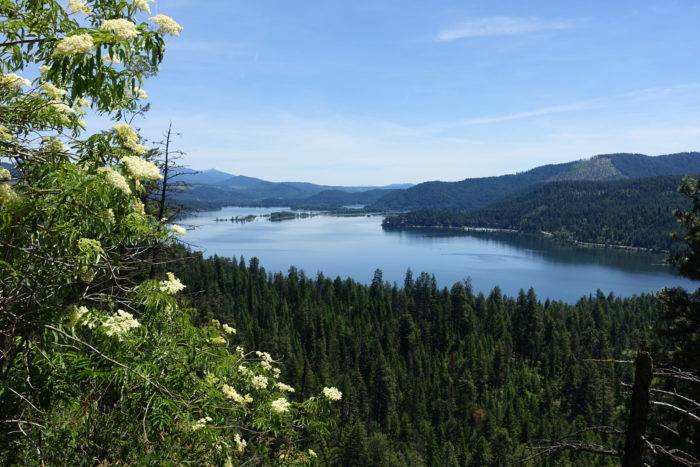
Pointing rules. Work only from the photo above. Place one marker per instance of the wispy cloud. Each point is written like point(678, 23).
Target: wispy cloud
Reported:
point(639, 95)
point(543, 111)
point(499, 26)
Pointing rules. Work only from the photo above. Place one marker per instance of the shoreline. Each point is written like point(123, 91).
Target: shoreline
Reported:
point(542, 234)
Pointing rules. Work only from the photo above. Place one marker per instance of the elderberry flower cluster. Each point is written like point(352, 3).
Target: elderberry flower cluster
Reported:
point(129, 138)
point(115, 179)
point(285, 387)
point(240, 443)
point(280, 405)
point(119, 324)
point(167, 25)
point(235, 396)
point(332, 394)
point(259, 382)
point(142, 5)
point(178, 230)
point(78, 6)
point(74, 45)
point(141, 169)
point(120, 27)
point(201, 423)
point(172, 285)
point(13, 80)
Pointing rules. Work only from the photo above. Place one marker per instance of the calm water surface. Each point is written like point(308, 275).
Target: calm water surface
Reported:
point(356, 246)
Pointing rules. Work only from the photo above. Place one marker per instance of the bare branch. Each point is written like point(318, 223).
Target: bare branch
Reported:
point(687, 413)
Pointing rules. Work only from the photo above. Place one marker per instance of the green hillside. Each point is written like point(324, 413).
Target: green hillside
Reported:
point(476, 193)
point(635, 213)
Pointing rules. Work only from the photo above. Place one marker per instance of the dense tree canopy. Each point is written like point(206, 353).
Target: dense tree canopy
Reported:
point(635, 213)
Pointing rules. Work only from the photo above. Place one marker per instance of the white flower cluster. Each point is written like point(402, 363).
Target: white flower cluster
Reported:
point(259, 382)
point(53, 144)
point(172, 285)
point(122, 28)
point(4, 174)
point(240, 443)
point(109, 60)
point(332, 394)
point(78, 6)
point(140, 93)
point(141, 169)
point(61, 108)
point(7, 194)
point(115, 179)
point(138, 207)
point(228, 329)
point(52, 91)
point(167, 25)
point(218, 340)
point(235, 396)
point(83, 317)
point(178, 230)
point(285, 387)
point(201, 423)
point(280, 405)
point(74, 45)
point(119, 324)
point(264, 356)
point(129, 138)
point(14, 81)
point(142, 5)
point(5, 133)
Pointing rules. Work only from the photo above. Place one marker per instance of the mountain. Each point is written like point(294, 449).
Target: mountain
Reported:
point(204, 177)
point(213, 188)
point(633, 212)
point(474, 193)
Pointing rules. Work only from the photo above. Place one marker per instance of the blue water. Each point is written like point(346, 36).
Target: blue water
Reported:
point(356, 246)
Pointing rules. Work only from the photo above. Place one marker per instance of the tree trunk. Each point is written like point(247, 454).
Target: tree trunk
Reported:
point(639, 411)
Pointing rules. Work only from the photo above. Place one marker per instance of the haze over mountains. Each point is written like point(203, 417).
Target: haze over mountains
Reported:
point(213, 188)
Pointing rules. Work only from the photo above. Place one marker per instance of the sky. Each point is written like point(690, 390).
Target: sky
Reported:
point(381, 91)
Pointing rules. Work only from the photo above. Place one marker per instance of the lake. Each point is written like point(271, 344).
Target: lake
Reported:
point(356, 246)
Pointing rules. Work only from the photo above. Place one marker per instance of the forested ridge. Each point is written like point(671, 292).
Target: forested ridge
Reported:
point(635, 213)
point(435, 376)
point(475, 193)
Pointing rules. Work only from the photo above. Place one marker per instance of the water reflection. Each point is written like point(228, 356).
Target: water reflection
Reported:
point(547, 249)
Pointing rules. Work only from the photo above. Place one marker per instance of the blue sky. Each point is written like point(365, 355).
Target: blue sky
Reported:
point(375, 92)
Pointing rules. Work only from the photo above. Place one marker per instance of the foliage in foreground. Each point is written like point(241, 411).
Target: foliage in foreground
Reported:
point(98, 362)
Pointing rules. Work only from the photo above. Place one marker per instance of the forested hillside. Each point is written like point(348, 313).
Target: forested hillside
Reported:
point(334, 199)
point(434, 376)
point(635, 213)
point(474, 193)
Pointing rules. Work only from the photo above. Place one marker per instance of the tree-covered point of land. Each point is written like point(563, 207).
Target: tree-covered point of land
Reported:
point(636, 213)
point(99, 362)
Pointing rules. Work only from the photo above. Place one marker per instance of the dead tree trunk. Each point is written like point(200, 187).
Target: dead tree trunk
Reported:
point(639, 411)
point(166, 168)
